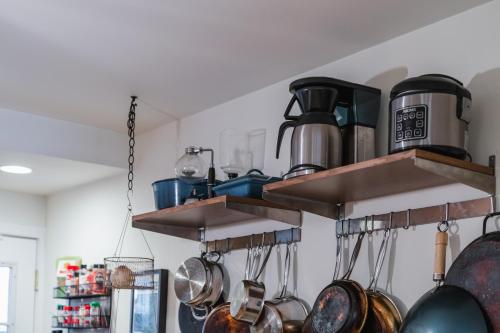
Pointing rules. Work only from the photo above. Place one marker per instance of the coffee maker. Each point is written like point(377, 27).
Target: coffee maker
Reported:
point(336, 125)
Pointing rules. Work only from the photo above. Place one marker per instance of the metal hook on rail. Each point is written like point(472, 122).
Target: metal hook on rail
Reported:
point(390, 221)
point(346, 235)
point(408, 219)
point(444, 225)
point(373, 225)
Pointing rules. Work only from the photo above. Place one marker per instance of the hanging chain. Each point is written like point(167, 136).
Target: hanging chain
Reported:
point(131, 145)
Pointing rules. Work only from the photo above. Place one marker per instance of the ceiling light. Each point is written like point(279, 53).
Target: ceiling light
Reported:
point(16, 169)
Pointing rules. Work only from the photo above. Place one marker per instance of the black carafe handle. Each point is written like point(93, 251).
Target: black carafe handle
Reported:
point(283, 127)
point(289, 108)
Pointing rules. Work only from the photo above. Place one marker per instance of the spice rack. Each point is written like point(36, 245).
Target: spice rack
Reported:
point(79, 296)
point(96, 322)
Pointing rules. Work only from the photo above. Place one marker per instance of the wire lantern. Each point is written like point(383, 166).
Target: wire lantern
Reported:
point(130, 272)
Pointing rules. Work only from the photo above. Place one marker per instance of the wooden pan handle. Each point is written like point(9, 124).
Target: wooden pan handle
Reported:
point(440, 256)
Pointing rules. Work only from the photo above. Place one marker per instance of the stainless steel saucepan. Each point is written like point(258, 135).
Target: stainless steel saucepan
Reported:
point(199, 283)
point(247, 301)
point(285, 314)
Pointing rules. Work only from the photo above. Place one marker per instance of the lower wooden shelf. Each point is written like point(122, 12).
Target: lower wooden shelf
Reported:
point(185, 221)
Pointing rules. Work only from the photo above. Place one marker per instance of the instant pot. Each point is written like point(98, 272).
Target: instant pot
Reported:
point(430, 112)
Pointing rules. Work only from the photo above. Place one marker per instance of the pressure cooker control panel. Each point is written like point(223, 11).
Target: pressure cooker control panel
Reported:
point(411, 123)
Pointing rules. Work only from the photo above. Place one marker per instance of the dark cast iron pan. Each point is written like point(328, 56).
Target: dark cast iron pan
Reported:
point(477, 270)
point(445, 309)
point(188, 323)
point(342, 306)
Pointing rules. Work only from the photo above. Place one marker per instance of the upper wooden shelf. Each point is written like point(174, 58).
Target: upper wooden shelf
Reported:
point(185, 221)
point(320, 192)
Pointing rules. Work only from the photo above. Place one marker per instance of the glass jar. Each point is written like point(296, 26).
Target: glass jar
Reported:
point(60, 315)
point(83, 280)
point(87, 310)
point(95, 309)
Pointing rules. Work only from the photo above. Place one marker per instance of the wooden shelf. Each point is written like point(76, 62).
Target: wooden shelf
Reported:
point(321, 192)
point(185, 221)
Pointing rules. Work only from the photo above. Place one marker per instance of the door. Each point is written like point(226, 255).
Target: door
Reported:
point(17, 284)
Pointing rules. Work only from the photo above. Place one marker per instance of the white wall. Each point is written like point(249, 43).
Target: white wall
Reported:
point(23, 215)
point(33, 134)
point(86, 221)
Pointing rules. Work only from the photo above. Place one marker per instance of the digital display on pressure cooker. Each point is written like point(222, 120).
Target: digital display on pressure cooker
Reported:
point(411, 123)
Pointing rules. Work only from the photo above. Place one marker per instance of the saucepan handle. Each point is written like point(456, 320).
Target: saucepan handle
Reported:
point(440, 256)
point(487, 217)
point(202, 317)
point(354, 256)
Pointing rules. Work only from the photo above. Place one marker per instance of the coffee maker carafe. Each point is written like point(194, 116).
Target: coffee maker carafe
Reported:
point(336, 125)
point(316, 139)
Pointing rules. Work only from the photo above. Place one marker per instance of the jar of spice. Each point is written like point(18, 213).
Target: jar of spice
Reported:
point(75, 290)
point(86, 310)
point(60, 315)
point(100, 279)
point(68, 315)
point(95, 314)
point(83, 280)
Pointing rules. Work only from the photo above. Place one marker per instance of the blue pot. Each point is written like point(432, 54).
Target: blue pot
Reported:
point(174, 192)
point(249, 186)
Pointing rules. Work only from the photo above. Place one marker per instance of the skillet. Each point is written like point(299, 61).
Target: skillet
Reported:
point(342, 306)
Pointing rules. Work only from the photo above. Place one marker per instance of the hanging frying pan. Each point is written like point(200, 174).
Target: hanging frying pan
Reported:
point(188, 323)
point(342, 306)
point(445, 309)
point(477, 270)
point(221, 321)
point(383, 314)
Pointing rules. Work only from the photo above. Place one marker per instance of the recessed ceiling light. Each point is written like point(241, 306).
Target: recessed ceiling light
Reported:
point(16, 169)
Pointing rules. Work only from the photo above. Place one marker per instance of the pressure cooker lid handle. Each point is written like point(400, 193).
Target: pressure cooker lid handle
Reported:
point(444, 76)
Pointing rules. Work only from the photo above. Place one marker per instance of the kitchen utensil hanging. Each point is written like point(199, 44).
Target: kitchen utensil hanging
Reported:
point(247, 301)
point(477, 270)
point(383, 313)
point(445, 308)
point(130, 272)
point(342, 306)
point(287, 312)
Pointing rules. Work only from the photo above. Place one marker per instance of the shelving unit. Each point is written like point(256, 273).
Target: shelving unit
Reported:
point(322, 192)
point(100, 323)
point(186, 221)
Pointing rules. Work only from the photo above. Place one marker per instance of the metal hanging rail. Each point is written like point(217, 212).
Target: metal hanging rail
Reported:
point(419, 216)
point(292, 235)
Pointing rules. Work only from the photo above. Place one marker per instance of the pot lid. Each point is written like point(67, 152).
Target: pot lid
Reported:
point(438, 83)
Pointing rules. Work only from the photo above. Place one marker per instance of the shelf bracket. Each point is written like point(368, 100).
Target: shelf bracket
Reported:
point(481, 181)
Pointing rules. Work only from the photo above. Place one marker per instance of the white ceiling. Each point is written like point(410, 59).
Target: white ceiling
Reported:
point(50, 174)
point(79, 60)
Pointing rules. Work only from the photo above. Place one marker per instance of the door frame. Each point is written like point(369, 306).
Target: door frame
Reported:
point(11, 311)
